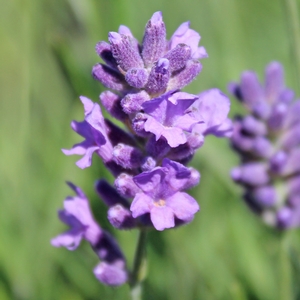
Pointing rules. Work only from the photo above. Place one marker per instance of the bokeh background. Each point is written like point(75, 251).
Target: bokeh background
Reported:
point(46, 56)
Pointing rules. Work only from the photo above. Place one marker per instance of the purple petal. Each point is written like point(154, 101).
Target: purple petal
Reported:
point(86, 160)
point(149, 181)
point(69, 239)
point(185, 35)
point(141, 204)
point(183, 205)
point(162, 217)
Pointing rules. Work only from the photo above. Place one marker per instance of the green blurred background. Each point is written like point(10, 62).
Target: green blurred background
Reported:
point(46, 56)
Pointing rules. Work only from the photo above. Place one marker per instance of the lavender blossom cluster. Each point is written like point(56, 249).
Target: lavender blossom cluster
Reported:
point(163, 128)
point(268, 142)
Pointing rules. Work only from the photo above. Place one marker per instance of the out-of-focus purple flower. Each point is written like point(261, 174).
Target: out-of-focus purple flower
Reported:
point(212, 107)
point(161, 195)
point(268, 141)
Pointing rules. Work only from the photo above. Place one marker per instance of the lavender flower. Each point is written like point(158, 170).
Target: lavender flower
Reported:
point(164, 128)
point(268, 142)
point(78, 216)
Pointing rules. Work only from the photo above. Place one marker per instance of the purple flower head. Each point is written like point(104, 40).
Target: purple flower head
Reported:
point(77, 214)
point(94, 130)
point(156, 65)
point(161, 195)
point(268, 141)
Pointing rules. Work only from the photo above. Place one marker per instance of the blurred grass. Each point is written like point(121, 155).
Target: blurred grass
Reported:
point(46, 56)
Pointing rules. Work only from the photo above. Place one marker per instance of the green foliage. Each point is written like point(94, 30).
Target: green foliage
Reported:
point(46, 55)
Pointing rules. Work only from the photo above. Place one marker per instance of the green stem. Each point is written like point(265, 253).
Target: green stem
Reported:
point(292, 20)
point(285, 278)
point(139, 267)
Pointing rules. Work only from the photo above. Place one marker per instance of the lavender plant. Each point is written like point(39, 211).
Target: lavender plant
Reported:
point(163, 128)
point(267, 140)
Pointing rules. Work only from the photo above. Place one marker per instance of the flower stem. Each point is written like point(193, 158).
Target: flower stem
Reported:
point(139, 267)
point(292, 20)
point(285, 283)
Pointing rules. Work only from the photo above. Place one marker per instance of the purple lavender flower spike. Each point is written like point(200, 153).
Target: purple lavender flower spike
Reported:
point(163, 128)
point(78, 216)
point(93, 129)
point(169, 120)
point(268, 143)
point(154, 41)
point(125, 54)
point(185, 35)
point(109, 77)
point(161, 196)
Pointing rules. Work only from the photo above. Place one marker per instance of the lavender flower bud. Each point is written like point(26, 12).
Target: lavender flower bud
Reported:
point(128, 157)
point(137, 77)
point(185, 76)
point(110, 274)
point(103, 49)
point(148, 164)
point(125, 54)
point(159, 77)
point(120, 217)
point(111, 102)
point(253, 174)
point(109, 195)
point(132, 103)
point(154, 41)
point(126, 186)
point(178, 57)
point(109, 77)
